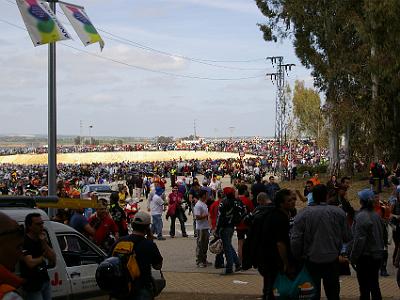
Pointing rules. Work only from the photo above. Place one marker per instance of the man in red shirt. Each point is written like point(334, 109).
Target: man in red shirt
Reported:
point(104, 225)
point(242, 229)
point(212, 219)
point(175, 211)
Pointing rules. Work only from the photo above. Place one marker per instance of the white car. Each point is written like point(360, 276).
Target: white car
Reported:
point(101, 190)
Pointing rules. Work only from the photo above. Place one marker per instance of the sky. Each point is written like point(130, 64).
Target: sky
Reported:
point(126, 90)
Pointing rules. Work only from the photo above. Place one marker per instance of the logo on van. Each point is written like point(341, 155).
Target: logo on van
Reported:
point(56, 281)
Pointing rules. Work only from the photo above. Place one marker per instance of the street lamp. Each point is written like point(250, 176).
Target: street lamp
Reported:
point(90, 134)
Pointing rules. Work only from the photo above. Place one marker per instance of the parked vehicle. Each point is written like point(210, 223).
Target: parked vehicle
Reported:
point(73, 276)
point(101, 190)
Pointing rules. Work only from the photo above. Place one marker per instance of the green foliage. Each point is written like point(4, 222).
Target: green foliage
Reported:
point(165, 139)
point(320, 169)
point(307, 111)
point(346, 43)
point(77, 140)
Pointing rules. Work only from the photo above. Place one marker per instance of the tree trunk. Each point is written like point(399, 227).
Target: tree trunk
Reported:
point(348, 170)
point(333, 150)
point(395, 154)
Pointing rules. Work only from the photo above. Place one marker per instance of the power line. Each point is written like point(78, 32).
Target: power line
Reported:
point(208, 62)
point(143, 68)
point(195, 60)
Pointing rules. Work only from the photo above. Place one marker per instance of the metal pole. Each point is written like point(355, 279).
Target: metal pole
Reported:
point(52, 121)
point(194, 128)
point(90, 134)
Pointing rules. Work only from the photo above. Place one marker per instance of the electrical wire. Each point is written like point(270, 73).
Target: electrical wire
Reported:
point(208, 62)
point(143, 68)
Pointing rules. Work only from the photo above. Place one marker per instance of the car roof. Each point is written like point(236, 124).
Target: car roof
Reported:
point(99, 186)
point(60, 227)
point(19, 213)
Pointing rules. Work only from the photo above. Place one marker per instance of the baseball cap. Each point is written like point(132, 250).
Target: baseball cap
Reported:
point(142, 218)
point(366, 195)
point(229, 191)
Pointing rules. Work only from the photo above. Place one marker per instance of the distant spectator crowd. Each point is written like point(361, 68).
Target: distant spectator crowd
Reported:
point(301, 151)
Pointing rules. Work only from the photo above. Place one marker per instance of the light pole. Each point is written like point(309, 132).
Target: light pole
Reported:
point(80, 132)
point(90, 134)
point(52, 121)
point(195, 129)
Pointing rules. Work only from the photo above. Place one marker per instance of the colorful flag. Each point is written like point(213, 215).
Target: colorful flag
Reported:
point(41, 23)
point(81, 23)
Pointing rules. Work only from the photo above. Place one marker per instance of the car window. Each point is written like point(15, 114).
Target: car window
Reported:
point(101, 188)
point(76, 251)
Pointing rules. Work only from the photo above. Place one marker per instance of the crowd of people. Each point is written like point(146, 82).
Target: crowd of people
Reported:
point(22, 179)
point(298, 151)
point(326, 237)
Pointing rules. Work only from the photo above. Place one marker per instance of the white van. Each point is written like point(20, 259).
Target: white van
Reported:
point(73, 277)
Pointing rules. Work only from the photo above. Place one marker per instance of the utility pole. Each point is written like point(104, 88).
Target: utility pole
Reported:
point(194, 128)
point(281, 111)
point(80, 132)
point(52, 120)
point(90, 134)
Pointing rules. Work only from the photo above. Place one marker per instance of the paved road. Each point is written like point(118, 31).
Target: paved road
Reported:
point(186, 281)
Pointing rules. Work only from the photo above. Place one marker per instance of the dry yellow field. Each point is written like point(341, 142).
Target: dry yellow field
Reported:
point(115, 157)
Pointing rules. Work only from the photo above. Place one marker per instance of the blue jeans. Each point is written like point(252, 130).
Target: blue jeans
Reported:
point(230, 253)
point(157, 225)
point(219, 260)
point(329, 274)
point(43, 294)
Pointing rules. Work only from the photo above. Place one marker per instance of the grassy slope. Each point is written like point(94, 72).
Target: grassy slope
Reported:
point(356, 186)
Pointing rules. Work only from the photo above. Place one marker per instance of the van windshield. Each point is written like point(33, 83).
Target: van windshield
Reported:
point(100, 188)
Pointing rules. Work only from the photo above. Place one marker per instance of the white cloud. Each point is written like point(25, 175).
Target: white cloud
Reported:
point(242, 6)
point(122, 100)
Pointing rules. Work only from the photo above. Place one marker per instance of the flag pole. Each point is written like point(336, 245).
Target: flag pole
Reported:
point(52, 119)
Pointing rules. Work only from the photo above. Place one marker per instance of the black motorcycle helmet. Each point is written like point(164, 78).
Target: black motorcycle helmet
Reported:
point(111, 276)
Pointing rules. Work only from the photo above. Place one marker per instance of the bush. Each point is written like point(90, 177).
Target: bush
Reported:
point(320, 169)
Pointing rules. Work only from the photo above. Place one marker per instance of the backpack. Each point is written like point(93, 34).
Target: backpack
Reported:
point(116, 274)
point(239, 212)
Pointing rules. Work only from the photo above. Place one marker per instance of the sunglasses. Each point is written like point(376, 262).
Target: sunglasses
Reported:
point(20, 230)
